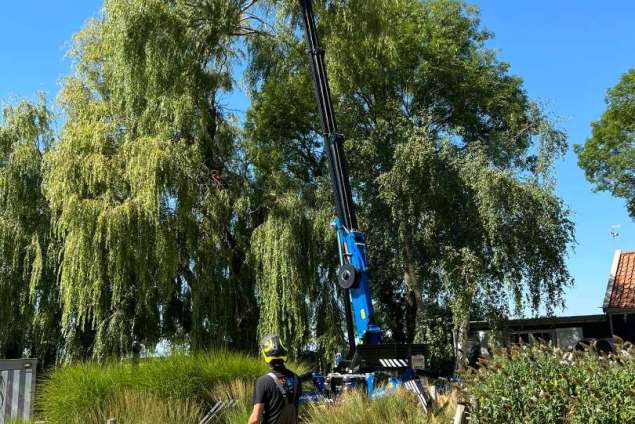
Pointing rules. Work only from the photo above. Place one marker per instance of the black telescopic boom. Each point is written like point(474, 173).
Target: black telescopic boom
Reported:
point(333, 142)
point(332, 139)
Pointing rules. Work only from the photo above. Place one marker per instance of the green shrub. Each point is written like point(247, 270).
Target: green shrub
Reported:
point(71, 394)
point(541, 384)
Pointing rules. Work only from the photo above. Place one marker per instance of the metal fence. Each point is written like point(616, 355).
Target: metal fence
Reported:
point(17, 386)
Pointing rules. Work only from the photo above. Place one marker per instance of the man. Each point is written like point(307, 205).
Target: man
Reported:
point(277, 393)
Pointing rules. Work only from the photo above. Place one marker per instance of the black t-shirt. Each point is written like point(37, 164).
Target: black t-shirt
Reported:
point(280, 398)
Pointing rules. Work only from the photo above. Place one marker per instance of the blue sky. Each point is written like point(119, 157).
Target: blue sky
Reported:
point(569, 52)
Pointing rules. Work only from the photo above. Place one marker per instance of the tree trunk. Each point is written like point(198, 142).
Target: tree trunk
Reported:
point(461, 343)
point(415, 312)
point(411, 316)
point(414, 307)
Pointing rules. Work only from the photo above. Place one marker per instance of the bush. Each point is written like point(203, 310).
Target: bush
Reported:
point(541, 384)
point(74, 393)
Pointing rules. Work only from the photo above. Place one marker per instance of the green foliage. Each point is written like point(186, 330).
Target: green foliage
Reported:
point(608, 157)
point(28, 297)
point(438, 187)
point(283, 248)
point(73, 392)
point(543, 384)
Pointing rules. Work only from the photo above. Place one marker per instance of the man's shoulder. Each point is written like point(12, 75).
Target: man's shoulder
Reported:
point(264, 380)
point(276, 376)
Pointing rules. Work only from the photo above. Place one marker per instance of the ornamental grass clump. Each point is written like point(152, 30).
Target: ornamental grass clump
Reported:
point(355, 408)
point(76, 393)
point(141, 408)
point(543, 384)
point(239, 391)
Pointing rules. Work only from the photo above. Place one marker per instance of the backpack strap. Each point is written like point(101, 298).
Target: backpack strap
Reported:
point(283, 390)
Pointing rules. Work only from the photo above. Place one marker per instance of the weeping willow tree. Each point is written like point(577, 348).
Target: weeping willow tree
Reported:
point(145, 183)
point(29, 307)
point(283, 249)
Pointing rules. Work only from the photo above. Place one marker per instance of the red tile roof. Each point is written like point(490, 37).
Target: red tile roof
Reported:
point(620, 292)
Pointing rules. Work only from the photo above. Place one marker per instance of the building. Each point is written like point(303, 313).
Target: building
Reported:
point(619, 301)
point(618, 318)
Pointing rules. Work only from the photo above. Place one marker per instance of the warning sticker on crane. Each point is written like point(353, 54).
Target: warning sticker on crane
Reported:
point(418, 362)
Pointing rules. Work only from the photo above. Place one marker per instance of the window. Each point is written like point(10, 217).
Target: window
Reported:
point(532, 336)
point(568, 337)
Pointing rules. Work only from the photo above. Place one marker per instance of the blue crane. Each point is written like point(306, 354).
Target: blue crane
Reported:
point(368, 361)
